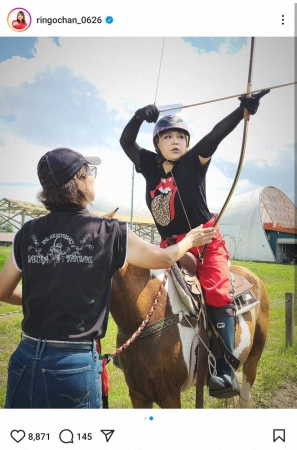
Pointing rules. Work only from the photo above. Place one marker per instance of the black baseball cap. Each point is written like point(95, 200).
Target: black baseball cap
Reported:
point(58, 166)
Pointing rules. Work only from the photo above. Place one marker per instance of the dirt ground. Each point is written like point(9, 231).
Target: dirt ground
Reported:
point(285, 397)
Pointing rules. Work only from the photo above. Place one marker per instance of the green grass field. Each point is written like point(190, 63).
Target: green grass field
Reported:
point(276, 383)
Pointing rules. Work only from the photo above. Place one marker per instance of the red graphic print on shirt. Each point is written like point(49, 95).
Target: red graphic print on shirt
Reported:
point(163, 203)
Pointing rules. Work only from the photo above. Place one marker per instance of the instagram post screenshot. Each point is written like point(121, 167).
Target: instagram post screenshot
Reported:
point(148, 231)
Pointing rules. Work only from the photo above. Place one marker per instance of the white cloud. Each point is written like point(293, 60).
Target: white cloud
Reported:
point(123, 72)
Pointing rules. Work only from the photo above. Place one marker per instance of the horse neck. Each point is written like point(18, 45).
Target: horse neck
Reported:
point(127, 284)
point(132, 295)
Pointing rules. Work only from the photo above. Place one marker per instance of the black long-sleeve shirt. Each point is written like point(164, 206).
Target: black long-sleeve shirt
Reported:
point(177, 199)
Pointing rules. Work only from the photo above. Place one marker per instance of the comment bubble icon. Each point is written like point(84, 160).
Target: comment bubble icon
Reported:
point(66, 436)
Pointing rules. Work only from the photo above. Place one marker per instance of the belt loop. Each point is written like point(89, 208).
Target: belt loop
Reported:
point(94, 352)
point(40, 348)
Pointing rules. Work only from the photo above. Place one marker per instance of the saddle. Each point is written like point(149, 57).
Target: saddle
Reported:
point(187, 284)
point(189, 288)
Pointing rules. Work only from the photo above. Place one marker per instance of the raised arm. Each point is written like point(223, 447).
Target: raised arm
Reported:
point(128, 142)
point(10, 291)
point(148, 256)
point(208, 145)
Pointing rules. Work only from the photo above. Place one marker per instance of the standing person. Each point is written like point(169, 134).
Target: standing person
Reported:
point(66, 260)
point(176, 197)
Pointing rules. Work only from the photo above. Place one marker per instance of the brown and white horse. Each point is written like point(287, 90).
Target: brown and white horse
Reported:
point(159, 366)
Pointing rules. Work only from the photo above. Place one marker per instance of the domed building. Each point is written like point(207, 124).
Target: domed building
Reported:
point(261, 225)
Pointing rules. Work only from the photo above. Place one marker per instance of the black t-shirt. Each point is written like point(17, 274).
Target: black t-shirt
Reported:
point(67, 259)
point(168, 197)
point(162, 197)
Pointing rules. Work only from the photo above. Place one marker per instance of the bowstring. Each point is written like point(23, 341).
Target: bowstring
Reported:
point(162, 51)
point(161, 59)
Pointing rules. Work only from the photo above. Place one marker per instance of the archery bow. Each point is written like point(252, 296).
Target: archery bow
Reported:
point(246, 117)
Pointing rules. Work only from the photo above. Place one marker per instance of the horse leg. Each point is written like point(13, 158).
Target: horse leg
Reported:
point(236, 399)
point(250, 367)
point(139, 401)
point(170, 401)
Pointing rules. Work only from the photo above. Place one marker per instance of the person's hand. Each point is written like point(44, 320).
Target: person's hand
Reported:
point(201, 236)
point(149, 113)
point(252, 103)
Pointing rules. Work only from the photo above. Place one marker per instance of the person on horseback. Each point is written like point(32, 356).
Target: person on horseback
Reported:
point(176, 196)
point(66, 260)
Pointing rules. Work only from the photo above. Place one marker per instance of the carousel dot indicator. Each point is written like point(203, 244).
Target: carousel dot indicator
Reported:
point(151, 418)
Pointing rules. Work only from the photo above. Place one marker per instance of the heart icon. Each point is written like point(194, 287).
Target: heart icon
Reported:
point(18, 435)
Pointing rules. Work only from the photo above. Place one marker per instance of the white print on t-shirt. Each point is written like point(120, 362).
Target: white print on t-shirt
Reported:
point(60, 251)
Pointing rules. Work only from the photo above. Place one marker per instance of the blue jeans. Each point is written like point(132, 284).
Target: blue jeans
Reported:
point(44, 377)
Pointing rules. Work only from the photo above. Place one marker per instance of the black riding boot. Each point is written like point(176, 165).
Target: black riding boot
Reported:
point(224, 384)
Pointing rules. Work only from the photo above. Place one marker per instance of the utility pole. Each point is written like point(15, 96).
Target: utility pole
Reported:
point(132, 199)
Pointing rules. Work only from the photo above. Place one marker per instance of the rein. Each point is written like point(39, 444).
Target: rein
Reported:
point(145, 320)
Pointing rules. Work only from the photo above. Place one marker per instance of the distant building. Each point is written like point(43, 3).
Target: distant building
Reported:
point(17, 212)
point(260, 225)
point(6, 239)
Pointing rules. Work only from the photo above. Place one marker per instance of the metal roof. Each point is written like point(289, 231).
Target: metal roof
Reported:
point(15, 205)
point(16, 213)
point(247, 217)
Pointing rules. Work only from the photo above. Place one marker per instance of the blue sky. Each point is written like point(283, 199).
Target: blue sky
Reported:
point(214, 44)
point(24, 47)
point(80, 93)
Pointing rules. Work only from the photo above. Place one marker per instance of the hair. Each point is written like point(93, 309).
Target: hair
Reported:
point(160, 158)
point(72, 192)
point(22, 14)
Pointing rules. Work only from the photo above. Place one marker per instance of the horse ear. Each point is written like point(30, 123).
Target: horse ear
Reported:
point(111, 214)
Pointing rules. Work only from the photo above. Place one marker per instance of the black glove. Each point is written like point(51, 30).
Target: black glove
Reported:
point(252, 103)
point(150, 113)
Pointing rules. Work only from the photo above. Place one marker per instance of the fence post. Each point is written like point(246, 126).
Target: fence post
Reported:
point(290, 317)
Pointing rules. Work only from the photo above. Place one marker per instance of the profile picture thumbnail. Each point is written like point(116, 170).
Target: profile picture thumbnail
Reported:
point(19, 19)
